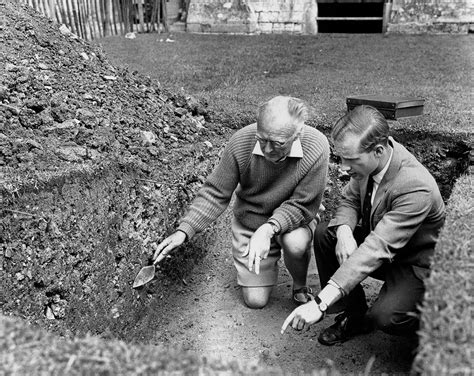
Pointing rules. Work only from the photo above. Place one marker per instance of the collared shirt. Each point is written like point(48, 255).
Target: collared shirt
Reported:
point(378, 178)
point(295, 152)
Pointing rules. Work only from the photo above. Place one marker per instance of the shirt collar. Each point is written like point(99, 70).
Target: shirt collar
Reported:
point(295, 152)
point(378, 177)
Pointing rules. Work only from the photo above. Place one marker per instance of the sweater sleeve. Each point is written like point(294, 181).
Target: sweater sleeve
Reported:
point(214, 196)
point(303, 205)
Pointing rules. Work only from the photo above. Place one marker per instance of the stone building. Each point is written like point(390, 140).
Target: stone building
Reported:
point(312, 16)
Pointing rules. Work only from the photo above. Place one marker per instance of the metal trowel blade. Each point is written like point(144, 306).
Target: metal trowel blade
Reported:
point(144, 276)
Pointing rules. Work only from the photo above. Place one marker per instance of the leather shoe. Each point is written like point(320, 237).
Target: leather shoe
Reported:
point(345, 327)
point(303, 295)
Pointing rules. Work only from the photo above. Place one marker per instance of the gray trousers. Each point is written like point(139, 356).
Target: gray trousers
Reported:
point(396, 309)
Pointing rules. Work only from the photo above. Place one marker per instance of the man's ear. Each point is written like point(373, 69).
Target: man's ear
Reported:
point(300, 129)
point(379, 150)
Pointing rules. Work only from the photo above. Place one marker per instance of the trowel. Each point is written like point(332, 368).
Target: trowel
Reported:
point(145, 275)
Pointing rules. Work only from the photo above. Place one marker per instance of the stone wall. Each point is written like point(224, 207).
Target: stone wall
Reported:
point(252, 16)
point(431, 16)
point(299, 16)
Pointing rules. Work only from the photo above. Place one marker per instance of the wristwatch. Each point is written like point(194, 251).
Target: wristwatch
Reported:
point(321, 305)
point(275, 227)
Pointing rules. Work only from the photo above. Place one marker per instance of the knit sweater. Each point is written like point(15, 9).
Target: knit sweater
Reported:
point(289, 192)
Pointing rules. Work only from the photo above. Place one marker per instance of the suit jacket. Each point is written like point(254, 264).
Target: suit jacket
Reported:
point(407, 214)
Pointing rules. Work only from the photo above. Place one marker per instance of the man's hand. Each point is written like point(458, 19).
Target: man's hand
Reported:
point(346, 244)
point(303, 317)
point(166, 246)
point(259, 246)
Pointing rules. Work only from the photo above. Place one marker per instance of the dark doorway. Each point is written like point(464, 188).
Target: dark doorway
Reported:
point(333, 10)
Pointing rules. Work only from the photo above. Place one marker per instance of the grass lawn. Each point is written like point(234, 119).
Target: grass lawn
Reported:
point(235, 73)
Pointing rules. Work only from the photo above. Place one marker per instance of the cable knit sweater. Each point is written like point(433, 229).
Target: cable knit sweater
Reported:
point(289, 192)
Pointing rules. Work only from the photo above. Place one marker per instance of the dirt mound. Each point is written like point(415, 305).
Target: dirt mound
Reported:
point(96, 162)
point(63, 104)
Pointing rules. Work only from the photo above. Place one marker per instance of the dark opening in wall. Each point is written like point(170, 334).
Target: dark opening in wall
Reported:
point(350, 9)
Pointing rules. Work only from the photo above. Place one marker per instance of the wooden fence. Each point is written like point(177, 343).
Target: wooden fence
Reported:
point(91, 19)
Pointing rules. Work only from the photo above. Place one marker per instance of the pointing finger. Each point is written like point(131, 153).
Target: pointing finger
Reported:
point(287, 322)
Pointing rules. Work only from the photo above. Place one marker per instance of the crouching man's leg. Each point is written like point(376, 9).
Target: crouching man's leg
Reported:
point(296, 247)
point(352, 320)
point(396, 309)
point(256, 288)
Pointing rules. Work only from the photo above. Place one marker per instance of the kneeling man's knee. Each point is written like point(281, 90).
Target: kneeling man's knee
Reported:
point(394, 322)
point(256, 297)
point(297, 243)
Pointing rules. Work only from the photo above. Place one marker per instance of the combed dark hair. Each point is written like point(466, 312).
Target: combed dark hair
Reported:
point(365, 121)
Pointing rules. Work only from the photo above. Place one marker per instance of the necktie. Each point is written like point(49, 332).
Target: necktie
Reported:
point(367, 208)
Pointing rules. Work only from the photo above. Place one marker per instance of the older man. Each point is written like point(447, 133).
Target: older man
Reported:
point(277, 168)
point(400, 211)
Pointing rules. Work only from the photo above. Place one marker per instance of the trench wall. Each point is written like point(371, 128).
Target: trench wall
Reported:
point(72, 247)
point(446, 337)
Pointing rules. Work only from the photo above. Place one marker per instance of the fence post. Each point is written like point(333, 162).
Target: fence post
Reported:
point(52, 6)
point(141, 19)
point(387, 8)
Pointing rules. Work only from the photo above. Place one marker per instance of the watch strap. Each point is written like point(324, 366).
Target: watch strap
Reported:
point(321, 306)
point(275, 226)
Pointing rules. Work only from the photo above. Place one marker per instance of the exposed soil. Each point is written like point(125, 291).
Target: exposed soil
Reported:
point(96, 163)
point(206, 314)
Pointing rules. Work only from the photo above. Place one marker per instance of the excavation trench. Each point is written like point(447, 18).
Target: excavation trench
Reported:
point(72, 247)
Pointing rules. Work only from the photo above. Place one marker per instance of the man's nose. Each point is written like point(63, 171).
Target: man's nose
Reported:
point(268, 147)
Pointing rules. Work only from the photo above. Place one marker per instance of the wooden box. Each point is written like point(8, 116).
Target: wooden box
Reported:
point(391, 107)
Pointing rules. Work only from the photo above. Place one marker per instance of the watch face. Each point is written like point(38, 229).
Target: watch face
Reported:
point(323, 307)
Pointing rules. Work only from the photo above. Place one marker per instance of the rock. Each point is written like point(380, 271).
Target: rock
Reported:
point(64, 30)
point(84, 56)
point(88, 118)
point(33, 144)
point(180, 111)
point(11, 67)
point(3, 92)
point(49, 314)
point(130, 35)
point(72, 153)
point(148, 137)
point(43, 66)
point(115, 312)
point(19, 276)
point(109, 78)
point(59, 310)
point(208, 144)
point(37, 105)
point(53, 228)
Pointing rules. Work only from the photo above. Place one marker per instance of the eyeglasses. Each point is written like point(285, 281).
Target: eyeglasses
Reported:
point(275, 144)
